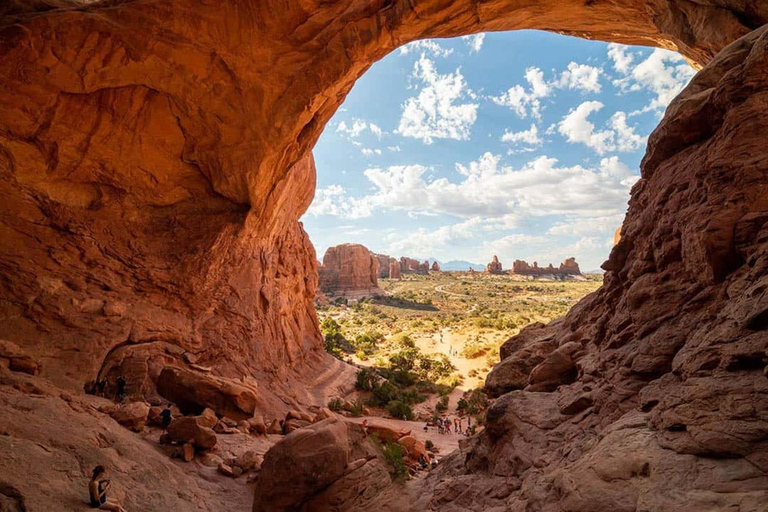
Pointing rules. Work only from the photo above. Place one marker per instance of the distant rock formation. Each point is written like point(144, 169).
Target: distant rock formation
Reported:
point(384, 271)
point(413, 266)
point(394, 269)
point(567, 267)
point(436, 266)
point(494, 267)
point(349, 270)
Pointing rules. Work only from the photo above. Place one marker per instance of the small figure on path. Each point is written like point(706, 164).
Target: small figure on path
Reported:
point(166, 417)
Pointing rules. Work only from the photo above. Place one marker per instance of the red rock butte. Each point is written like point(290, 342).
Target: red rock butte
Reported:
point(155, 157)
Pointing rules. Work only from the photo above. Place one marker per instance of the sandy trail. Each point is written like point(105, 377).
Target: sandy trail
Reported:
point(445, 443)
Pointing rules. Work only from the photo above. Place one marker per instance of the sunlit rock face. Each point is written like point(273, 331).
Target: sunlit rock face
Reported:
point(349, 270)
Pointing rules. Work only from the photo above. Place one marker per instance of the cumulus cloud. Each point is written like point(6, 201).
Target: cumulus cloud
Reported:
point(621, 57)
point(527, 101)
point(441, 110)
point(334, 200)
point(429, 47)
point(664, 74)
point(370, 151)
point(475, 42)
point(489, 190)
point(617, 136)
point(529, 137)
point(356, 127)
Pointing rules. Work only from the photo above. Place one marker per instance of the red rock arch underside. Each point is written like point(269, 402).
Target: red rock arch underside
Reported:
point(155, 158)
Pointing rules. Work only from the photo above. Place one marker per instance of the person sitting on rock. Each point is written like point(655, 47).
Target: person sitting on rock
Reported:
point(166, 417)
point(97, 489)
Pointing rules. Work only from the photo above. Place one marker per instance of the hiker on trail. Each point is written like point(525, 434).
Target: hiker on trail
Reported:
point(120, 388)
point(97, 490)
point(166, 417)
point(365, 427)
point(461, 428)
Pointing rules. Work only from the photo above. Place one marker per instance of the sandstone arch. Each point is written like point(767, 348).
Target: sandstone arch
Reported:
point(155, 159)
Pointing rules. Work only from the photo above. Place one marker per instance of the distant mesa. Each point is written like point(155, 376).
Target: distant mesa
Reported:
point(349, 270)
point(569, 267)
point(394, 269)
point(494, 267)
point(412, 266)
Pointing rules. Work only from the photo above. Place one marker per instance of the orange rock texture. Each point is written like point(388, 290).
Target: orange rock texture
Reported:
point(349, 270)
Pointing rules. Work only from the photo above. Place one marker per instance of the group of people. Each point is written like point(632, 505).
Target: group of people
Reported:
point(101, 388)
point(455, 426)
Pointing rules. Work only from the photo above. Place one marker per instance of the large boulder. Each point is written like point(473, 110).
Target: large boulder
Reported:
point(132, 415)
point(308, 461)
point(514, 371)
point(193, 391)
point(16, 359)
point(188, 429)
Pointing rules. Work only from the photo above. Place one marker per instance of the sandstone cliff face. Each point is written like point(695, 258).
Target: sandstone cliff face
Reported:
point(383, 265)
point(394, 269)
point(651, 394)
point(349, 270)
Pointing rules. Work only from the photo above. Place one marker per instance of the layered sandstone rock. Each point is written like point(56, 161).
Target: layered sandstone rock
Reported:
point(435, 266)
point(384, 270)
point(394, 269)
point(494, 267)
point(568, 267)
point(349, 270)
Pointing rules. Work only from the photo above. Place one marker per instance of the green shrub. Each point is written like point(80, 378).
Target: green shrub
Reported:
point(394, 456)
point(366, 379)
point(383, 394)
point(400, 410)
point(357, 408)
point(336, 404)
point(429, 445)
point(442, 404)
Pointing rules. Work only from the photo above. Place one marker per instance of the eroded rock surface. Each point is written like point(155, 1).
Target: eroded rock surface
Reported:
point(349, 270)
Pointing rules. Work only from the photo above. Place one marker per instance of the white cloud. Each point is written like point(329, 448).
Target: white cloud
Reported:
point(621, 59)
point(427, 46)
point(524, 102)
point(357, 127)
point(489, 190)
point(475, 42)
point(437, 111)
point(580, 77)
point(394, 149)
point(577, 128)
point(333, 200)
point(663, 73)
point(529, 136)
point(370, 152)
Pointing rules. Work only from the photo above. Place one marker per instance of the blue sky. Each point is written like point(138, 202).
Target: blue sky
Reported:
point(522, 144)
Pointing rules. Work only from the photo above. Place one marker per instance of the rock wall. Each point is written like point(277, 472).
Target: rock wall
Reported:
point(568, 267)
point(349, 270)
point(383, 265)
point(394, 269)
point(651, 394)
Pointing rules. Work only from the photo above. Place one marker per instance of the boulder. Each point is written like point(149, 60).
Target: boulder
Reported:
point(385, 432)
point(187, 429)
point(413, 447)
point(132, 415)
point(207, 418)
point(193, 392)
point(249, 460)
point(275, 427)
point(514, 371)
point(306, 464)
point(257, 425)
point(16, 359)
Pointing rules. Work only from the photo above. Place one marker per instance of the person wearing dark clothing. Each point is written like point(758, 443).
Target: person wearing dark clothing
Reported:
point(120, 388)
point(166, 417)
point(97, 491)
